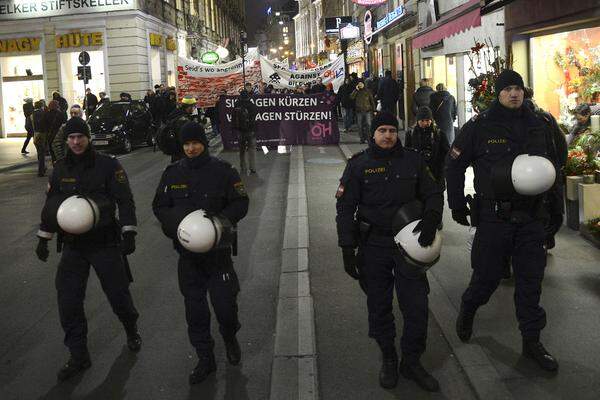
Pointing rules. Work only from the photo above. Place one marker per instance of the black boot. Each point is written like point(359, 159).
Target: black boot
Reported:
point(134, 340)
point(388, 376)
point(536, 351)
point(464, 324)
point(414, 370)
point(74, 366)
point(206, 365)
point(234, 353)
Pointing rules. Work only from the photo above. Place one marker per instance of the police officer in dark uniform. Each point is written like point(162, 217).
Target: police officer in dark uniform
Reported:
point(432, 144)
point(200, 181)
point(102, 179)
point(508, 223)
point(376, 183)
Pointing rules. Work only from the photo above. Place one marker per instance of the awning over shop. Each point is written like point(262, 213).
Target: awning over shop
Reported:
point(458, 20)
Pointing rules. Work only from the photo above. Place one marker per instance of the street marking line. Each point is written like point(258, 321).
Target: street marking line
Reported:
point(294, 370)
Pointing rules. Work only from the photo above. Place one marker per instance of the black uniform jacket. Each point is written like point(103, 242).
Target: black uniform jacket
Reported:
point(493, 136)
point(99, 177)
point(375, 184)
point(204, 182)
point(432, 144)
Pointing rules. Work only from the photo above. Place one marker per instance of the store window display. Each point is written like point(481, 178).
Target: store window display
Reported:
point(22, 77)
point(566, 71)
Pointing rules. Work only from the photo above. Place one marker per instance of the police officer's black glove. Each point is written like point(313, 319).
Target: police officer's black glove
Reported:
point(128, 243)
point(350, 262)
point(554, 224)
point(428, 228)
point(42, 249)
point(460, 216)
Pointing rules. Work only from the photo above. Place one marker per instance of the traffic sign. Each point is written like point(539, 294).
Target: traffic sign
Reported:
point(84, 73)
point(84, 58)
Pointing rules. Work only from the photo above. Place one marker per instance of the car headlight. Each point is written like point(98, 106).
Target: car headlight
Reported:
point(117, 128)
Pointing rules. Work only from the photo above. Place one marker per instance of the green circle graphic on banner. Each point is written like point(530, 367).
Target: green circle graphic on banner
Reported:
point(210, 57)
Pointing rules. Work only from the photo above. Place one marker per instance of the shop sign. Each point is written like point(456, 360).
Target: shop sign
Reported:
point(391, 17)
point(20, 45)
point(23, 9)
point(355, 52)
point(210, 57)
point(369, 2)
point(332, 24)
point(78, 39)
point(156, 40)
point(368, 27)
point(171, 44)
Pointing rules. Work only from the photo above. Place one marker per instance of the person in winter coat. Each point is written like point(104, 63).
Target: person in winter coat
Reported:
point(443, 106)
point(388, 93)
point(365, 106)
point(27, 113)
point(318, 87)
point(583, 114)
point(422, 95)
point(247, 134)
point(60, 140)
point(169, 104)
point(54, 119)
point(343, 97)
point(430, 142)
point(40, 136)
point(90, 103)
point(63, 106)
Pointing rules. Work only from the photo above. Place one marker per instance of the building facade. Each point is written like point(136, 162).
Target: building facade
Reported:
point(309, 35)
point(133, 45)
point(447, 31)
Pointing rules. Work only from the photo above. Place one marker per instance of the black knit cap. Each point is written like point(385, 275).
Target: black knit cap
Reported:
point(507, 78)
point(77, 125)
point(424, 112)
point(193, 131)
point(383, 118)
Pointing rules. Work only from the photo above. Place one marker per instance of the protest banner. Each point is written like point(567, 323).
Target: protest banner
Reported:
point(285, 119)
point(206, 82)
point(281, 77)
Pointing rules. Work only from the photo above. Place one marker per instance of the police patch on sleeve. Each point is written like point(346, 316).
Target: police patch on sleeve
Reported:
point(340, 191)
point(455, 152)
point(120, 176)
point(240, 188)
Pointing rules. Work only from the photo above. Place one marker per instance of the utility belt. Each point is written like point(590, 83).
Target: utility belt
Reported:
point(98, 237)
point(512, 211)
point(366, 229)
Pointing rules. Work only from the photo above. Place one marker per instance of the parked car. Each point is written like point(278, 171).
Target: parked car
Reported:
point(119, 126)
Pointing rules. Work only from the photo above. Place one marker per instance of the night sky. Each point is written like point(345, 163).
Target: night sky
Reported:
point(255, 14)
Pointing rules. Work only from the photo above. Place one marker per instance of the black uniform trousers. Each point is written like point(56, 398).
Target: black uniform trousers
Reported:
point(493, 242)
point(210, 273)
point(381, 273)
point(71, 282)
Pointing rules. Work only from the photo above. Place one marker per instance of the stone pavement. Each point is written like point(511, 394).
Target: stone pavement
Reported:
point(10, 154)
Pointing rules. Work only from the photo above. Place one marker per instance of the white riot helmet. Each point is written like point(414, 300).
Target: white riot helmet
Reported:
point(419, 258)
point(414, 253)
point(527, 175)
point(199, 233)
point(532, 175)
point(77, 215)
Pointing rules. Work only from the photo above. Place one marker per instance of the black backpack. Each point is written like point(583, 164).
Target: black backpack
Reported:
point(166, 140)
point(240, 118)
